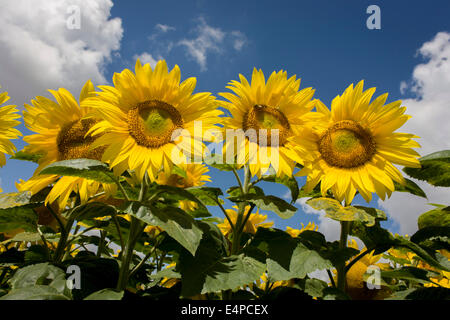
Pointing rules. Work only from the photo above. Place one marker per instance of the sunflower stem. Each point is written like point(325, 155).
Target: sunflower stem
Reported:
point(241, 209)
point(136, 228)
point(341, 272)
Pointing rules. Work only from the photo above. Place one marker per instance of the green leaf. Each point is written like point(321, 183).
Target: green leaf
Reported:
point(208, 271)
point(178, 224)
point(289, 182)
point(32, 237)
point(105, 294)
point(14, 199)
point(83, 168)
point(373, 237)
point(410, 273)
point(334, 210)
point(423, 254)
point(92, 210)
point(22, 217)
point(207, 195)
point(24, 156)
point(310, 194)
point(216, 161)
point(287, 257)
point(38, 292)
point(439, 217)
point(36, 274)
point(429, 233)
point(410, 187)
point(270, 203)
point(236, 191)
point(435, 169)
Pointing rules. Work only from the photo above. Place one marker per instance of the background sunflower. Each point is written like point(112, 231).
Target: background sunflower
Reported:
point(8, 121)
point(277, 108)
point(61, 129)
point(355, 146)
point(142, 114)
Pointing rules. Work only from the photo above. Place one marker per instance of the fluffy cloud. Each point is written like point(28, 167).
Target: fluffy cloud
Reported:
point(430, 111)
point(209, 39)
point(146, 57)
point(39, 51)
point(329, 227)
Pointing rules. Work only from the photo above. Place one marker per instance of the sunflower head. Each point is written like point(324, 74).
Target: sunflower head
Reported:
point(194, 175)
point(255, 221)
point(295, 232)
point(61, 133)
point(355, 146)
point(151, 121)
point(8, 120)
point(271, 115)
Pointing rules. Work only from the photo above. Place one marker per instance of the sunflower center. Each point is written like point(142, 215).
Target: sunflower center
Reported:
point(72, 143)
point(178, 181)
point(267, 122)
point(151, 123)
point(347, 145)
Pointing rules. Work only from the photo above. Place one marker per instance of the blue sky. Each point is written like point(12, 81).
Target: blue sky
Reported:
point(326, 43)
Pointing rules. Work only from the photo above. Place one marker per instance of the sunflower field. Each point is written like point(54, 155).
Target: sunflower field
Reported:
point(118, 208)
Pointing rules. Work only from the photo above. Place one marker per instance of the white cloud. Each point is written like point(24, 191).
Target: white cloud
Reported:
point(209, 39)
point(328, 227)
point(39, 52)
point(430, 112)
point(146, 57)
point(164, 27)
point(239, 40)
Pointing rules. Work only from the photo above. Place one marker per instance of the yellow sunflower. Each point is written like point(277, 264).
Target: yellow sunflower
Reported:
point(195, 177)
point(295, 232)
point(61, 129)
point(273, 116)
point(149, 117)
point(8, 121)
point(254, 222)
point(355, 146)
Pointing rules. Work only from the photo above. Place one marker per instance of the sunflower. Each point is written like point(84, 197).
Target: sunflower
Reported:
point(61, 129)
point(254, 222)
point(355, 146)
point(195, 177)
point(295, 232)
point(8, 121)
point(149, 117)
point(273, 116)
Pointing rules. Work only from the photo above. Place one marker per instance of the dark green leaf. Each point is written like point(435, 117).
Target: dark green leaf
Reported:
point(435, 169)
point(83, 168)
point(178, 224)
point(410, 187)
point(439, 217)
point(270, 203)
point(289, 182)
point(105, 294)
point(207, 195)
point(24, 156)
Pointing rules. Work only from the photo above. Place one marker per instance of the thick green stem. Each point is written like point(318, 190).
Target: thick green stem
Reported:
point(136, 228)
point(341, 279)
point(62, 243)
point(241, 210)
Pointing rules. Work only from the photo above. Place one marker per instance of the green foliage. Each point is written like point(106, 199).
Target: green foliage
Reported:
point(439, 217)
point(270, 203)
point(24, 156)
point(435, 169)
point(105, 294)
point(82, 168)
point(38, 282)
point(287, 257)
point(334, 210)
point(289, 182)
point(178, 224)
point(410, 187)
